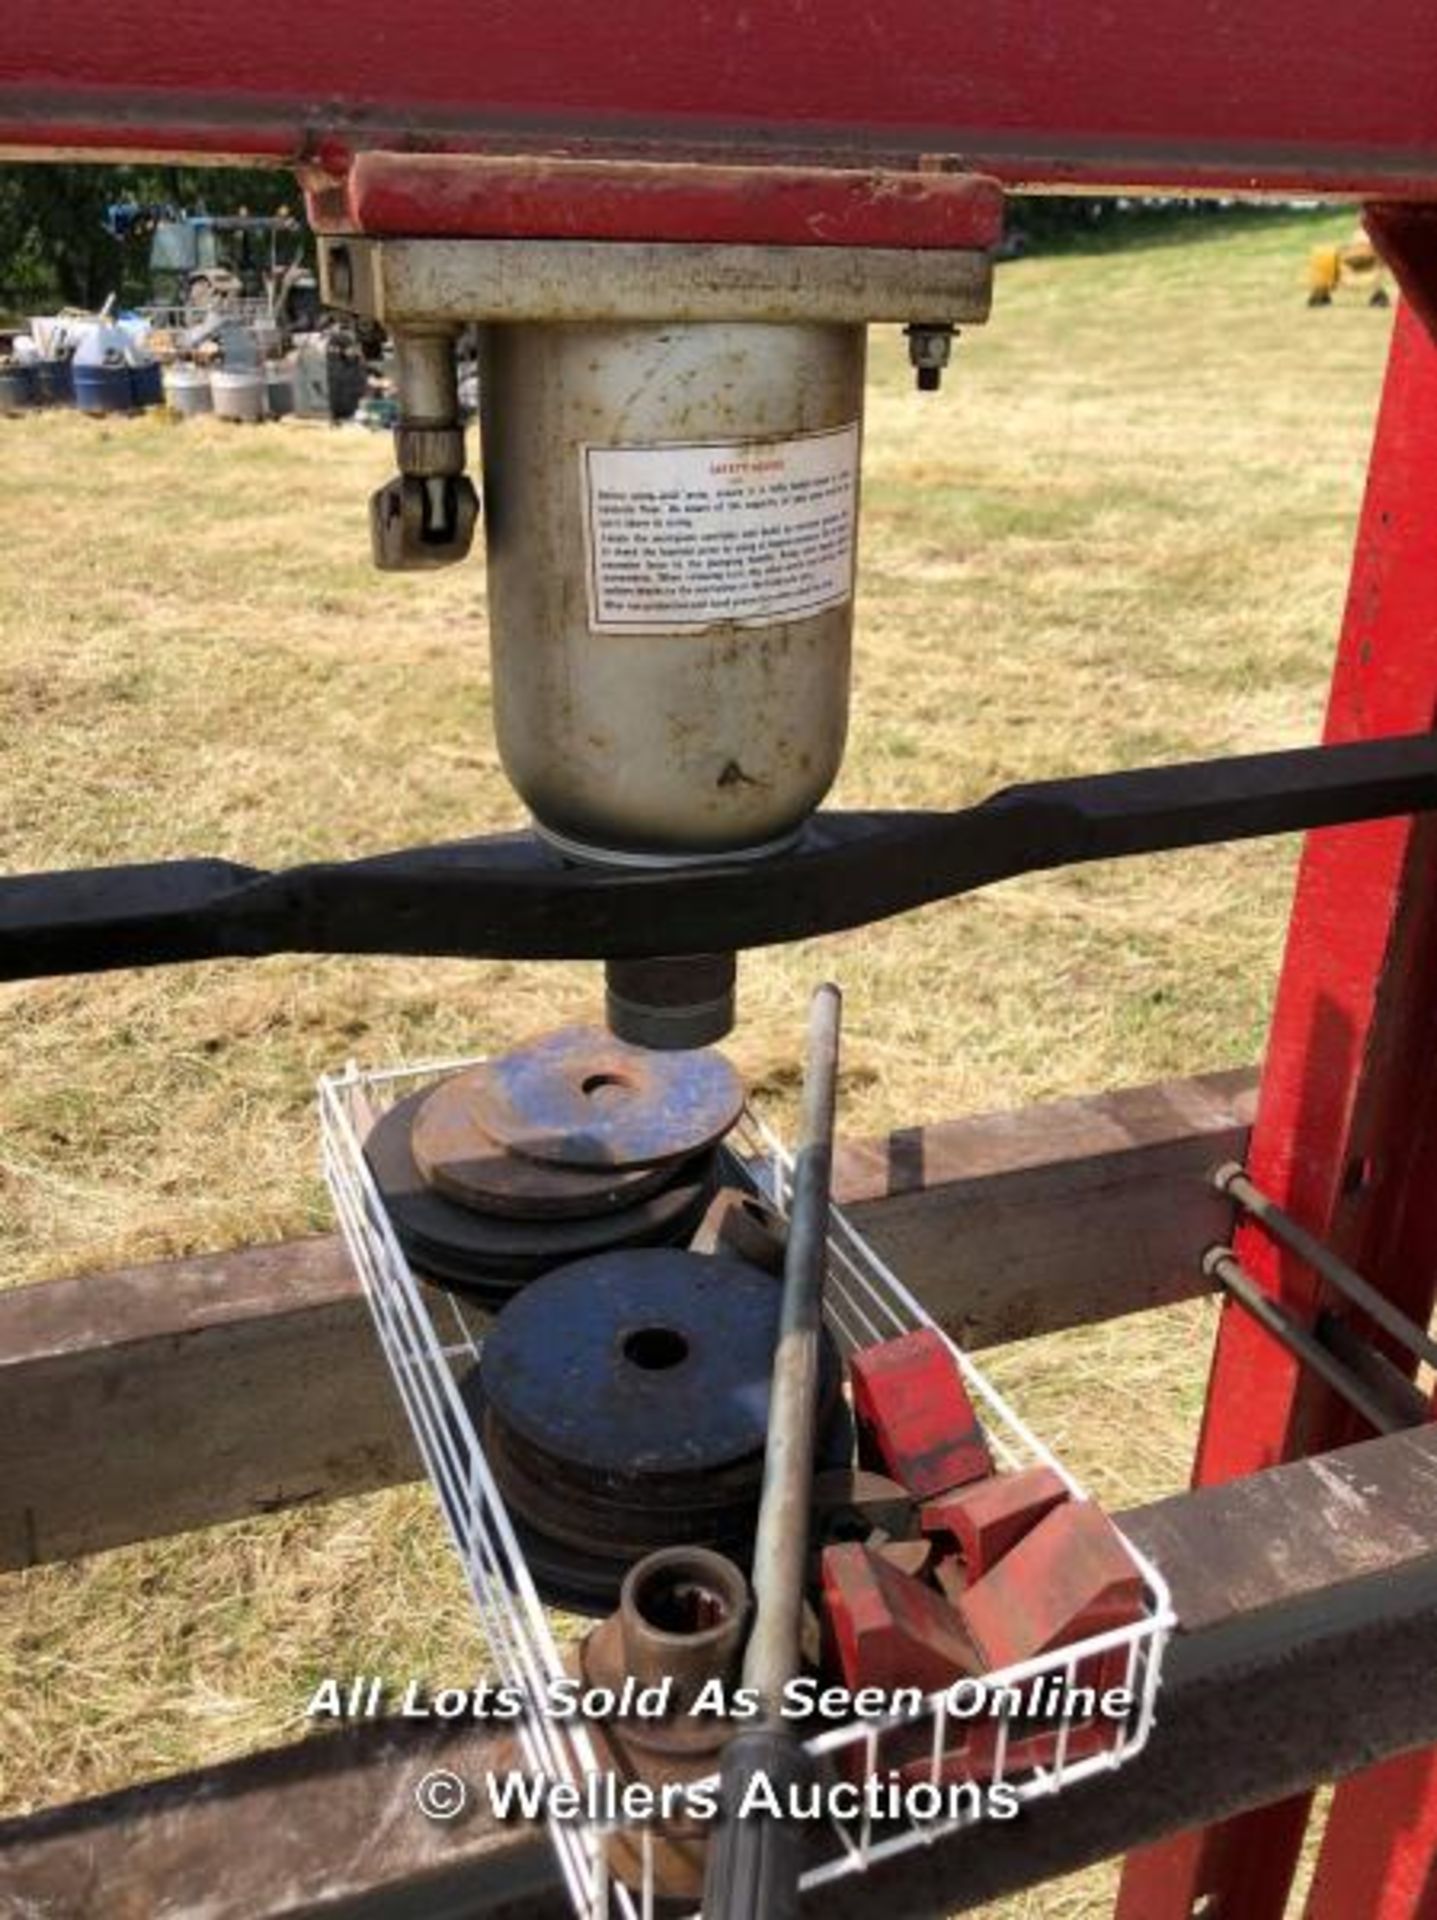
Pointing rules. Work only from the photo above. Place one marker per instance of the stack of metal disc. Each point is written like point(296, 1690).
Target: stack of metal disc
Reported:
point(568, 1146)
point(623, 1406)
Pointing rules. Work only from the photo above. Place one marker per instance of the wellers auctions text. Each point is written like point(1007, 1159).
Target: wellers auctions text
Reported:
point(603, 1798)
point(368, 1696)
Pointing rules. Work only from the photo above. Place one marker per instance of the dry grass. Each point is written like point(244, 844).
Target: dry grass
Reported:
point(1121, 536)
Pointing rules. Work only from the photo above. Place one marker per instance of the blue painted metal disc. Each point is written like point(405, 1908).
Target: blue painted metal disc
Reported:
point(634, 1364)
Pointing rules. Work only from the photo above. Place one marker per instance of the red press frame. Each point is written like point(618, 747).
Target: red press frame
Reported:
point(827, 122)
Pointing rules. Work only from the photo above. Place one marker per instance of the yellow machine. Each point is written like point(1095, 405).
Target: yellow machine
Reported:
point(1356, 263)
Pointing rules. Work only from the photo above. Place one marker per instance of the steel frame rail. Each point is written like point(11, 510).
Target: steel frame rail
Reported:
point(1291, 96)
point(1289, 1665)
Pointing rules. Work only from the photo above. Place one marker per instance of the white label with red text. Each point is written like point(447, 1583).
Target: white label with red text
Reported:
point(747, 533)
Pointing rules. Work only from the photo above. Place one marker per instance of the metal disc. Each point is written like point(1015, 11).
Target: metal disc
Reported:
point(581, 1565)
point(457, 1245)
point(497, 1282)
point(621, 1529)
point(584, 1099)
point(457, 1155)
point(648, 1363)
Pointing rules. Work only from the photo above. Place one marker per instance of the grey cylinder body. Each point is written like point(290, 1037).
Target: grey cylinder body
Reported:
point(187, 389)
point(671, 516)
point(238, 393)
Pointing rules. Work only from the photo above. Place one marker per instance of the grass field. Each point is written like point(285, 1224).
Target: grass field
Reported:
point(1119, 536)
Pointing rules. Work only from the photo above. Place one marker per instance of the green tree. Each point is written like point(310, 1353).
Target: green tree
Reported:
point(53, 243)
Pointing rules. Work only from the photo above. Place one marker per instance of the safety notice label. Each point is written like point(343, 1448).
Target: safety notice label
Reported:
point(687, 536)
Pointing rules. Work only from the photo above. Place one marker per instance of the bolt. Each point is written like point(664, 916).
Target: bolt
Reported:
point(930, 347)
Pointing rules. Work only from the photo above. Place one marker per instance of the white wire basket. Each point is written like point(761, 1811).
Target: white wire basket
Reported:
point(431, 1338)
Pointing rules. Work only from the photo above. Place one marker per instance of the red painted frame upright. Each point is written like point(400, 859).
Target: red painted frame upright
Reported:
point(1346, 1140)
point(823, 122)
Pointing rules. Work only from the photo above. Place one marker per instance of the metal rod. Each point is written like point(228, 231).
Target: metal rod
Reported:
point(1222, 1264)
point(1387, 1380)
point(781, 1548)
point(755, 1859)
point(1232, 1179)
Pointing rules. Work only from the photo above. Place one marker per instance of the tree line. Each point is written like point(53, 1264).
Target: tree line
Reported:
point(55, 251)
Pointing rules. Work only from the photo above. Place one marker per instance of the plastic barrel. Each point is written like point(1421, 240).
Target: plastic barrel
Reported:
point(18, 388)
point(53, 384)
point(147, 384)
point(101, 389)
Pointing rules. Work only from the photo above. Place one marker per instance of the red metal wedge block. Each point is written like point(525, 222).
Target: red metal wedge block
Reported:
point(886, 1629)
point(982, 1522)
point(1070, 1577)
point(915, 1420)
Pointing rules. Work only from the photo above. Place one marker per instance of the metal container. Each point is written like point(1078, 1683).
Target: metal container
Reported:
point(187, 389)
point(329, 382)
point(671, 516)
point(238, 393)
point(279, 388)
point(18, 387)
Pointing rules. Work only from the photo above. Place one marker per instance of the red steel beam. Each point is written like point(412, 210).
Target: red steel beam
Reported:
point(1289, 96)
point(533, 196)
point(1346, 1140)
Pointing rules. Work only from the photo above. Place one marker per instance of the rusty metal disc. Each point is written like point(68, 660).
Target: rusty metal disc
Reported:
point(458, 1246)
point(621, 1529)
point(585, 1099)
point(459, 1157)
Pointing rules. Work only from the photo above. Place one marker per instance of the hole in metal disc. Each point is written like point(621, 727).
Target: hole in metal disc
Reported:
point(597, 1086)
point(655, 1348)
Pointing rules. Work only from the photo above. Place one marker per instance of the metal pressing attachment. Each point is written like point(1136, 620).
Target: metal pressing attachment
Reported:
point(982, 1521)
point(680, 1624)
point(850, 1506)
point(671, 1002)
point(426, 516)
point(887, 1629)
point(584, 1099)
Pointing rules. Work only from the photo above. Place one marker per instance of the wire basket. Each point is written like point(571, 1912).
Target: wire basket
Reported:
point(431, 1338)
